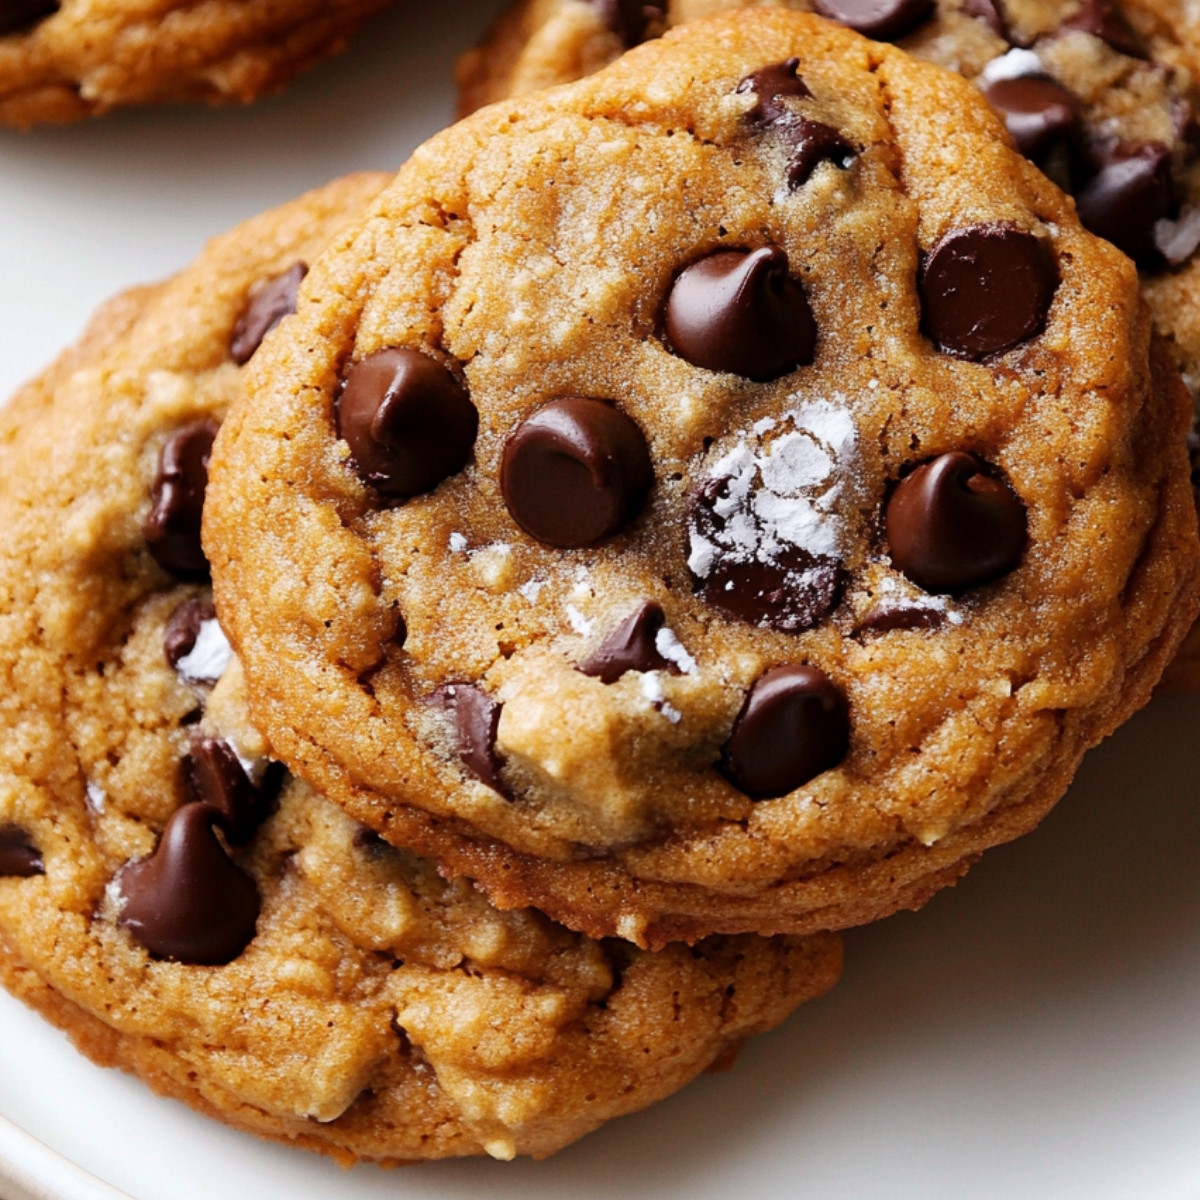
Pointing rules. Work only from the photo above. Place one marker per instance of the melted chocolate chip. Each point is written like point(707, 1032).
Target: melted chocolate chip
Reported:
point(883, 20)
point(1039, 112)
point(1103, 19)
point(269, 304)
point(793, 726)
point(575, 472)
point(188, 901)
point(407, 420)
point(883, 618)
point(630, 20)
point(213, 775)
point(183, 628)
point(172, 529)
point(989, 13)
point(986, 288)
point(740, 311)
point(476, 719)
point(21, 14)
point(19, 857)
point(1131, 189)
point(630, 647)
point(786, 588)
point(950, 526)
point(771, 85)
point(814, 143)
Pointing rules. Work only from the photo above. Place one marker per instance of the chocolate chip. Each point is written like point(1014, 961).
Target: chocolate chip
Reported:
point(794, 725)
point(21, 14)
point(1039, 112)
point(188, 901)
point(1103, 19)
point(883, 20)
point(409, 423)
point(951, 526)
point(989, 13)
point(183, 628)
point(172, 529)
point(630, 647)
point(986, 288)
point(782, 587)
point(883, 618)
point(772, 84)
point(575, 472)
point(19, 857)
point(814, 143)
point(269, 303)
point(213, 775)
point(630, 20)
point(476, 719)
point(740, 311)
point(1131, 189)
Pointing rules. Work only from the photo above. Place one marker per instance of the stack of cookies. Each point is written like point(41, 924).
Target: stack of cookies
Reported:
point(502, 620)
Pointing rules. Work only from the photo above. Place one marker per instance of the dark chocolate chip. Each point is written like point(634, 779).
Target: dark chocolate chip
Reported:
point(740, 311)
point(771, 85)
point(22, 14)
point(630, 20)
point(812, 144)
point(883, 618)
point(1131, 189)
point(987, 11)
point(790, 589)
point(575, 472)
point(19, 857)
point(213, 775)
point(409, 423)
point(188, 901)
point(951, 526)
point(172, 529)
point(630, 647)
point(476, 719)
point(1039, 112)
point(794, 725)
point(986, 288)
point(883, 20)
point(1103, 19)
point(183, 628)
point(269, 303)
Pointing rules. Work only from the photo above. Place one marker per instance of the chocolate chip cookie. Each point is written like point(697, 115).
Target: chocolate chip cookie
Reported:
point(726, 493)
point(185, 911)
point(61, 60)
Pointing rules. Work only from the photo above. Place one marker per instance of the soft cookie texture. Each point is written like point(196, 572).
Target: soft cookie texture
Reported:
point(825, 496)
point(1101, 94)
point(185, 913)
point(60, 61)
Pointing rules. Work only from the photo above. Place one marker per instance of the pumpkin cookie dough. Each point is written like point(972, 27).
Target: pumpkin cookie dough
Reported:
point(186, 912)
point(727, 493)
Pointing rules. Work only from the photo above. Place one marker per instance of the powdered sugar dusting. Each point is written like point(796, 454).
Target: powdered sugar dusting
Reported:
point(1016, 64)
point(671, 648)
point(579, 622)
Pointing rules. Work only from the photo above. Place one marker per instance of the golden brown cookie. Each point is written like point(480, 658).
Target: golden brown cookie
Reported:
point(234, 939)
point(61, 60)
point(727, 493)
point(1100, 94)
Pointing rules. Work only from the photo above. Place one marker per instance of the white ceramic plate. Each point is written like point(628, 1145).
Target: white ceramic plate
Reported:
point(1034, 1033)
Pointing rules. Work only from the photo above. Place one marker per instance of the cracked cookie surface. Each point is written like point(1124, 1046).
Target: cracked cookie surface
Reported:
point(822, 502)
point(236, 940)
point(61, 61)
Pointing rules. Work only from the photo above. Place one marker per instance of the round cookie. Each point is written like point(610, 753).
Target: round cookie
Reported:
point(61, 60)
point(822, 497)
point(1101, 94)
point(186, 914)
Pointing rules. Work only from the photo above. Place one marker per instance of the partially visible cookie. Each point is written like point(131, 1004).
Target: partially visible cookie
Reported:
point(1102, 94)
point(61, 60)
point(726, 493)
point(186, 913)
